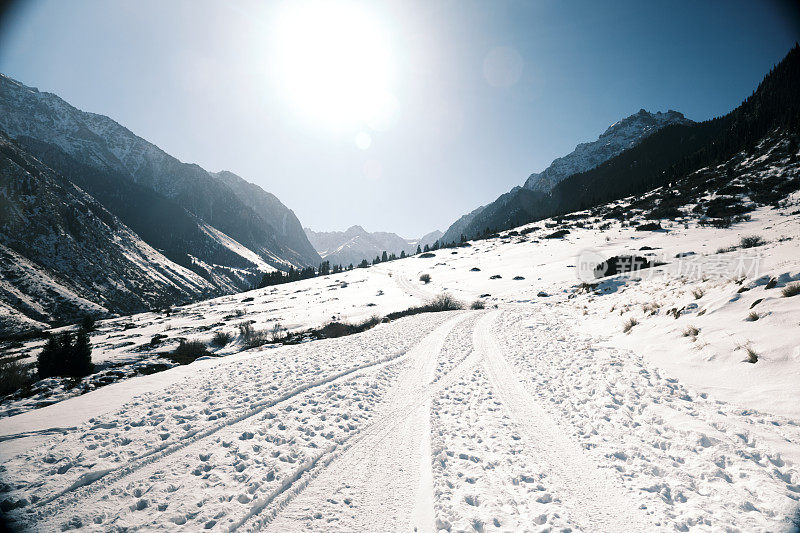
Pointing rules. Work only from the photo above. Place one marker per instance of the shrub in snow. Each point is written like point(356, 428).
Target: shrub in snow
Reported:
point(560, 234)
point(444, 302)
point(425, 278)
point(650, 226)
point(792, 289)
point(278, 332)
point(13, 376)
point(751, 241)
point(752, 317)
point(752, 356)
point(691, 331)
point(629, 325)
point(698, 293)
point(221, 338)
point(477, 304)
point(188, 351)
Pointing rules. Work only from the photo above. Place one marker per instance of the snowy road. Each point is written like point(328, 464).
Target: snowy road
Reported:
point(504, 419)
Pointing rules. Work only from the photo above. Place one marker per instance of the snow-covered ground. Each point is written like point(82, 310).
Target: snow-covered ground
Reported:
point(539, 414)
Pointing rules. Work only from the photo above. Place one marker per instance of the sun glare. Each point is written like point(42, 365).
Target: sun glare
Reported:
point(334, 63)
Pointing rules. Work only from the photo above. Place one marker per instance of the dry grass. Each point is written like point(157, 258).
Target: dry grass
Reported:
point(691, 331)
point(753, 316)
point(752, 356)
point(698, 293)
point(651, 307)
point(629, 325)
point(792, 289)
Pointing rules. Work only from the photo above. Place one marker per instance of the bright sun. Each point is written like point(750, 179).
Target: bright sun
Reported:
point(334, 62)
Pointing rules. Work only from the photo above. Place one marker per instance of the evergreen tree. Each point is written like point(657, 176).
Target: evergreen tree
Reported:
point(88, 323)
point(427, 248)
point(402, 254)
point(419, 250)
point(48, 363)
point(78, 360)
point(384, 257)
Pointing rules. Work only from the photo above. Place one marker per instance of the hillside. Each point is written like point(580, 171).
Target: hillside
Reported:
point(77, 143)
point(505, 211)
point(663, 156)
point(65, 256)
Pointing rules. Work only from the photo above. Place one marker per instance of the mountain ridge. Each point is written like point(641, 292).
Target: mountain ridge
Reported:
point(99, 142)
point(618, 137)
point(65, 256)
point(356, 244)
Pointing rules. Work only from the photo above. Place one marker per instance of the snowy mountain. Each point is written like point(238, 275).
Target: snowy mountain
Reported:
point(65, 256)
point(355, 244)
point(620, 136)
point(75, 143)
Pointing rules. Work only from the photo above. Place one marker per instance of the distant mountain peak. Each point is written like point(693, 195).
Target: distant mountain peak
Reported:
point(356, 243)
point(617, 138)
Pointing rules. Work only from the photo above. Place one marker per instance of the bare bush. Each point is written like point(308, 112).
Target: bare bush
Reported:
point(221, 338)
point(629, 325)
point(478, 304)
point(691, 331)
point(14, 375)
point(753, 316)
point(251, 337)
point(751, 241)
point(792, 289)
point(278, 332)
point(425, 278)
point(188, 351)
point(698, 293)
point(444, 302)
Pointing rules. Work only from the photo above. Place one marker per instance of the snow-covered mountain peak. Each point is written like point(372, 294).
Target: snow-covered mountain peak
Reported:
point(620, 136)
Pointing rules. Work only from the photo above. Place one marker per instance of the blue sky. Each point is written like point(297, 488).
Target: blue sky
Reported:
point(198, 78)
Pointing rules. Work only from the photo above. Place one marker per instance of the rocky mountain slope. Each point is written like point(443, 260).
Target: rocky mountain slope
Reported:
point(65, 256)
point(619, 137)
point(242, 235)
point(355, 244)
point(659, 159)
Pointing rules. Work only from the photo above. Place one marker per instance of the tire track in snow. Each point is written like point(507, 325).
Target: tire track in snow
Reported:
point(597, 501)
point(409, 288)
point(87, 486)
point(384, 471)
